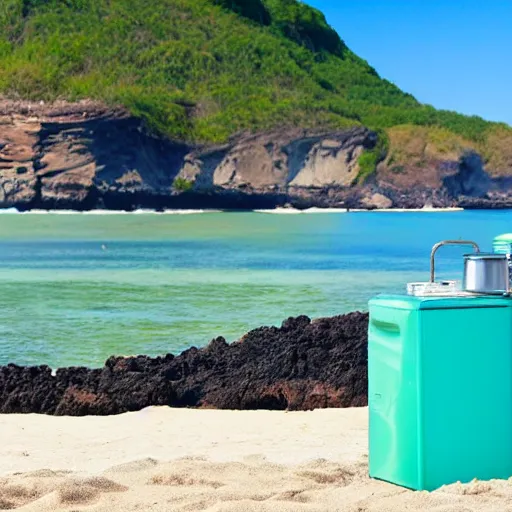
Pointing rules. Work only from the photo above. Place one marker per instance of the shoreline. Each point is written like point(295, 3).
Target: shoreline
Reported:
point(283, 211)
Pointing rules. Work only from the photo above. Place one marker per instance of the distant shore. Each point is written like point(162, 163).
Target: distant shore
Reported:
point(284, 211)
point(356, 210)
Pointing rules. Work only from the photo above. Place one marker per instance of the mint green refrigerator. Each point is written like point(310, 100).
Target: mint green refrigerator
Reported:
point(439, 389)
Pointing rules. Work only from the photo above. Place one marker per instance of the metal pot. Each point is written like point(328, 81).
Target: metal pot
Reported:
point(486, 273)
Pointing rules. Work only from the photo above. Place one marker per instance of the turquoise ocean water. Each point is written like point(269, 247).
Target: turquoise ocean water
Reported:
point(77, 288)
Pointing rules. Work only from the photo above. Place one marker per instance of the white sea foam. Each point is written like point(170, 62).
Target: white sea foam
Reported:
point(428, 209)
point(354, 210)
point(141, 211)
point(56, 212)
point(35, 212)
point(103, 212)
point(326, 210)
point(147, 211)
point(279, 211)
point(188, 212)
point(144, 211)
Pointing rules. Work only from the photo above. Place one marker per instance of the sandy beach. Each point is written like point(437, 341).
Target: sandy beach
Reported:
point(163, 459)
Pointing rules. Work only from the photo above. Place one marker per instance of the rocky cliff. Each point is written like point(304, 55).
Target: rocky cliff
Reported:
point(86, 155)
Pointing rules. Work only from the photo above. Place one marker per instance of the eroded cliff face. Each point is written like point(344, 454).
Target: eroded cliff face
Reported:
point(80, 156)
point(86, 155)
point(283, 162)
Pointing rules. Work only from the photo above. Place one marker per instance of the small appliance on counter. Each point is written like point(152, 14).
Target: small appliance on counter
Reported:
point(440, 377)
point(484, 273)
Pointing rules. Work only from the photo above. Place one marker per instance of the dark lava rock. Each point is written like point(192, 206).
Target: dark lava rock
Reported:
point(302, 365)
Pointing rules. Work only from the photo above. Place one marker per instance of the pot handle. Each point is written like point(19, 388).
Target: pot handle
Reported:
point(447, 242)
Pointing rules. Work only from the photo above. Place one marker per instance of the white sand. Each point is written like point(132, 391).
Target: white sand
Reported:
point(163, 459)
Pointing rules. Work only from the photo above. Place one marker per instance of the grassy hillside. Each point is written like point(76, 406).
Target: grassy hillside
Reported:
point(201, 70)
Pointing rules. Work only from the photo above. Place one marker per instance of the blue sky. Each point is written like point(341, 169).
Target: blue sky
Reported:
point(452, 54)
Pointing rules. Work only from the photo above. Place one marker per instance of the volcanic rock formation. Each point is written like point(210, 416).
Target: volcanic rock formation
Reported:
point(302, 365)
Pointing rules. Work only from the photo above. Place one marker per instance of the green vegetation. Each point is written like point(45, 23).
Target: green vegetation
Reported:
point(255, 10)
point(370, 158)
point(183, 185)
point(202, 70)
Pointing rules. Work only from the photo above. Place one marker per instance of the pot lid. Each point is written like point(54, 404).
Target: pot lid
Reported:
point(485, 256)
